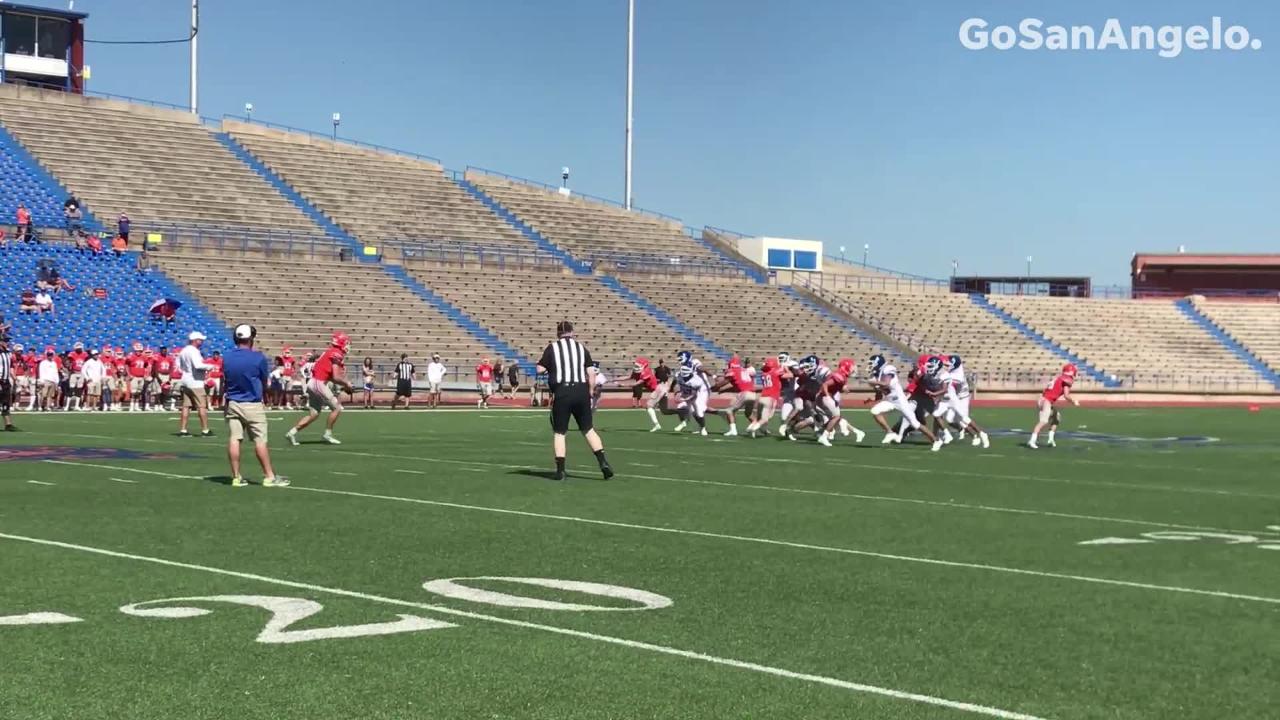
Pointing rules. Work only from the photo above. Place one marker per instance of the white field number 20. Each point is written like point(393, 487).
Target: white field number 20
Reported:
point(287, 611)
point(1262, 543)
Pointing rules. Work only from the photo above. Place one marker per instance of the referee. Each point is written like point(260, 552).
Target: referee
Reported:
point(404, 381)
point(570, 377)
point(6, 384)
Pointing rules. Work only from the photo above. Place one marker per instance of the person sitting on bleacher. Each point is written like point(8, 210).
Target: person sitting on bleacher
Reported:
point(95, 244)
point(44, 302)
point(28, 302)
point(119, 244)
point(57, 282)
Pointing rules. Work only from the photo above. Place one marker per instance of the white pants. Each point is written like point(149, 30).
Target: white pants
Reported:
point(899, 404)
point(697, 403)
point(954, 410)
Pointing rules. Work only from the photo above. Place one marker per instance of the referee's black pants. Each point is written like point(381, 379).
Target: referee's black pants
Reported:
point(571, 400)
point(6, 397)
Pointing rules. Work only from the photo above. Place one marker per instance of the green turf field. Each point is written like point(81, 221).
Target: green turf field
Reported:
point(767, 579)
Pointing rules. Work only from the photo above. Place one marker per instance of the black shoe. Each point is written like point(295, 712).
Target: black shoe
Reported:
point(183, 433)
point(606, 471)
point(559, 475)
point(10, 428)
point(207, 433)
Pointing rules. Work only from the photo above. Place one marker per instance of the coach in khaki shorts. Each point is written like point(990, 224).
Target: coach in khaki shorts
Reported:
point(193, 368)
point(244, 374)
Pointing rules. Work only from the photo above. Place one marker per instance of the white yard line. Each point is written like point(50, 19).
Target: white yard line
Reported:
point(623, 642)
point(122, 480)
point(37, 482)
point(347, 474)
point(857, 496)
point(409, 472)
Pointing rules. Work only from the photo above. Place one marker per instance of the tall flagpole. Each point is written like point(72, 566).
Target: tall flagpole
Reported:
point(631, 31)
point(195, 38)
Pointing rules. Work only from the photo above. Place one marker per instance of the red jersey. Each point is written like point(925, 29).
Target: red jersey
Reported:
point(288, 364)
point(646, 378)
point(214, 370)
point(742, 379)
point(329, 365)
point(484, 373)
point(32, 361)
point(139, 365)
point(162, 366)
point(1056, 389)
point(835, 382)
point(772, 384)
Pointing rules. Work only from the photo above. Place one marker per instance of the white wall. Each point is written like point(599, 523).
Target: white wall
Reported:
point(757, 250)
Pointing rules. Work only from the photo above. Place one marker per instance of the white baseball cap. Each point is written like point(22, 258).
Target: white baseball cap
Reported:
point(244, 332)
point(196, 335)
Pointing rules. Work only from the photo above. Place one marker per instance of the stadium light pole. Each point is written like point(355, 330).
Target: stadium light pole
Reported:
point(866, 250)
point(195, 57)
point(631, 32)
point(337, 118)
point(248, 112)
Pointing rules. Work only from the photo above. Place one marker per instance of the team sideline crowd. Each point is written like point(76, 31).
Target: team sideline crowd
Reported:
point(932, 399)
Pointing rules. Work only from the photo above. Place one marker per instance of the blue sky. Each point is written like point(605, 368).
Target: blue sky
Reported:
point(846, 121)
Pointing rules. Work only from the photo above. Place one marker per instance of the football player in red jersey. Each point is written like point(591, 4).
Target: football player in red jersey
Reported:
point(742, 380)
point(484, 382)
point(770, 396)
point(161, 371)
point(328, 369)
point(75, 382)
point(213, 379)
point(1059, 389)
point(643, 375)
point(829, 402)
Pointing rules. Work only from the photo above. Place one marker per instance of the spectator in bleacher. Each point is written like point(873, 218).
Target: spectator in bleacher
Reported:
point(57, 282)
point(119, 245)
point(71, 202)
point(44, 302)
point(27, 304)
point(122, 228)
point(75, 225)
point(24, 223)
point(94, 244)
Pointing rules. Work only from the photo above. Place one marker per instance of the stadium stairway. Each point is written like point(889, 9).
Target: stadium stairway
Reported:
point(754, 273)
point(1031, 334)
point(118, 319)
point(24, 180)
point(578, 267)
point(664, 317)
point(330, 228)
point(499, 346)
point(848, 325)
point(1237, 348)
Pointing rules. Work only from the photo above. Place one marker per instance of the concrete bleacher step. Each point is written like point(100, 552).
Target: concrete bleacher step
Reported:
point(1009, 319)
point(1235, 347)
point(848, 323)
point(664, 317)
point(43, 180)
point(499, 346)
point(522, 227)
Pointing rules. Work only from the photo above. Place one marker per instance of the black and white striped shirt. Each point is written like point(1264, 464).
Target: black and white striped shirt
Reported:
point(404, 370)
point(566, 361)
point(6, 366)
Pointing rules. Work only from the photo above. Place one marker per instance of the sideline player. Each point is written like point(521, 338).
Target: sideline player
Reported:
point(329, 368)
point(884, 378)
point(484, 382)
point(1059, 389)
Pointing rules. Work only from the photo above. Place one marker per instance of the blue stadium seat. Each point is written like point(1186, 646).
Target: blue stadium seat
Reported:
point(120, 319)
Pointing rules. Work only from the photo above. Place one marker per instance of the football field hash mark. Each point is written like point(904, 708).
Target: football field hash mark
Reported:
point(623, 642)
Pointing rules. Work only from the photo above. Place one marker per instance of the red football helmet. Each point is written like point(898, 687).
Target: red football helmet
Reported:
point(340, 341)
point(641, 364)
point(770, 363)
point(1069, 369)
point(137, 347)
point(846, 366)
point(735, 362)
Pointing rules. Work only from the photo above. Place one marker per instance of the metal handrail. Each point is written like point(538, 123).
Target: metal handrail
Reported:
point(553, 188)
point(329, 137)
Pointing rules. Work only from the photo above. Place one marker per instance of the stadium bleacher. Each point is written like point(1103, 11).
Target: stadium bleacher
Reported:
point(301, 304)
point(1144, 341)
point(524, 308)
point(755, 321)
point(375, 194)
point(1255, 325)
point(158, 165)
point(22, 183)
point(948, 322)
point(119, 317)
point(590, 229)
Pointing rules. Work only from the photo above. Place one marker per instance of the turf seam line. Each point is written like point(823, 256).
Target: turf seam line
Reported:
point(634, 644)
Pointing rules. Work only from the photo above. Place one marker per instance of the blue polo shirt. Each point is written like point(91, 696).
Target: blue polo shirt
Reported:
point(244, 373)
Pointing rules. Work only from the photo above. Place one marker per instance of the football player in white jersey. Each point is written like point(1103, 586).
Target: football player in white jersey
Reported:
point(953, 406)
point(790, 375)
point(884, 378)
point(694, 394)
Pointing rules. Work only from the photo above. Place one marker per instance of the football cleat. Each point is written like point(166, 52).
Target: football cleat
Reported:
point(937, 445)
point(293, 437)
point(238, 482)
point(276, 481)
point(858, 435)
point(681, 426)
